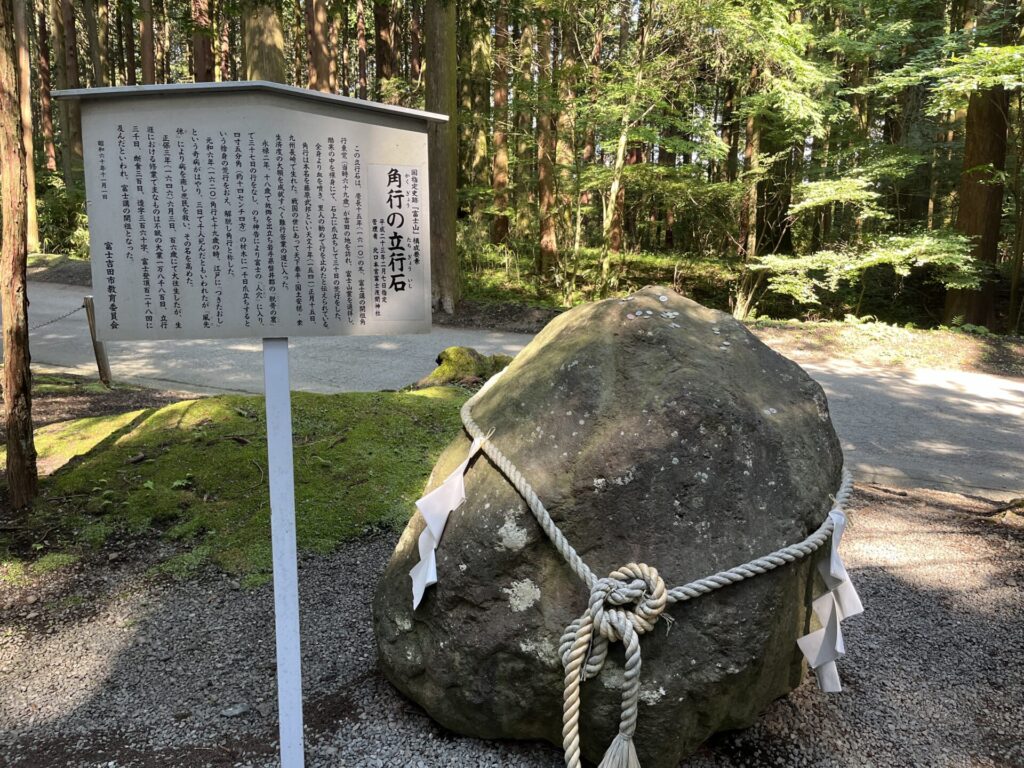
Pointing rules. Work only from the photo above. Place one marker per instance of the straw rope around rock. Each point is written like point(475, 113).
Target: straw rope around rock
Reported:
point(625, 604)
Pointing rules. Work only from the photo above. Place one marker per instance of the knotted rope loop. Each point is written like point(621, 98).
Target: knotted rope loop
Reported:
point(635, 593)
point(623, 605)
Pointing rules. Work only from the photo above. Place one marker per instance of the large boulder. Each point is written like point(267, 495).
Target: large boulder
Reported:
point(654, 430)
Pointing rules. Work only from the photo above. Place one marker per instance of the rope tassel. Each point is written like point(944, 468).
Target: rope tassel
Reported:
point(621, 754)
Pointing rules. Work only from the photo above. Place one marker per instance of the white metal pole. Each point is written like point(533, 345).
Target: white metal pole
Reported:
point(282, 526)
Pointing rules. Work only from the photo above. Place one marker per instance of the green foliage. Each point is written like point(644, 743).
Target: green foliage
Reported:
point(63, 224)
point(808, 278)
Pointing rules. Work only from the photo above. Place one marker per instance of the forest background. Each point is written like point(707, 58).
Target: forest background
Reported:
point(820, 159)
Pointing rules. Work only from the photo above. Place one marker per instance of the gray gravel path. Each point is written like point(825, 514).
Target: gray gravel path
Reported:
point(113, 669)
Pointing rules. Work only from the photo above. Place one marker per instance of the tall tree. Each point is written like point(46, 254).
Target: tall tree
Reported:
point(981, 199)
point(980, 194)
point(17, 376)
point(547, 254)
point(361, 55)
point(318, 47)
point(128, 25)
point(523, 108)
point(415, 42)
point(499, 167)
point(202, 42)
point(345, 72)
point(96, 26)
point(25, 105)
point(146, 36)
point(439, 31)
point(45, 104)
point(384, 49)
point(264, 43)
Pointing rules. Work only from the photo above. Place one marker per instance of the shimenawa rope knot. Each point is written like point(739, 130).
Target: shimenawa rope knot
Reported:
point(623, 605)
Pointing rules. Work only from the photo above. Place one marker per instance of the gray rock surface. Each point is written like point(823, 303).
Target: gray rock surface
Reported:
point(657, 431)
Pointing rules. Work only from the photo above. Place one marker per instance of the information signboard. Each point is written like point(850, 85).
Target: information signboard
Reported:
point(254, 210)
point(257, 210)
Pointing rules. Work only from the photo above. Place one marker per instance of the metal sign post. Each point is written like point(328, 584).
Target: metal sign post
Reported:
point(257, 210)
point(282, 526)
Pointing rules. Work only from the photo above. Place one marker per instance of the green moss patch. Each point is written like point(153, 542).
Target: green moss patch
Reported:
point(463, 365)
point(57, 444)
point(196, 471)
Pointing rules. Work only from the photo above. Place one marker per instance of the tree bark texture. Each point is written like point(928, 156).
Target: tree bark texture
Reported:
point(361, 53)
point(547, 255)
point(45, 103)
point(202, 42)
point(148, 43)
point(20, 8)
point(17, 377)
point(95, 13)
point(318, 45)
point(981, 199)
point(439, 30)
point(128, 24)
point(499, 167)
point(523, 171)
point(264, 45)
point(384, 48)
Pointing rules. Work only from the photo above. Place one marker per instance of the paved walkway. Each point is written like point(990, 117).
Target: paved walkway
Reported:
point(951, 430)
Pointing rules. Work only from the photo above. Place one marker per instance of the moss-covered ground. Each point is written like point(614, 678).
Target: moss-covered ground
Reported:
point(195, 472)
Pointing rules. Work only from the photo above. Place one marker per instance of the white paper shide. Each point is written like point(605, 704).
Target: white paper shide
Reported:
point(435, 508)
point(824, 646)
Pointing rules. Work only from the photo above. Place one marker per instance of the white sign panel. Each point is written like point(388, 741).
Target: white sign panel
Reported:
point(249, 214)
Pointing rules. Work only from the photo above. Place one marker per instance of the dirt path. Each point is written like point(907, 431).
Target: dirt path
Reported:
point(102, 665)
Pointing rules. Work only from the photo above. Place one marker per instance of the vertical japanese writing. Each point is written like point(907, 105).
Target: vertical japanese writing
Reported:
point(140, 208)
point(255, 225)
point(170, 195)
point(235, 229)
point(346, 218)
point(241, 224)
point(321, 231)
point(282, 211)
point(226, 207)
point(199, 207)
point(294, 188)
point(332, 189)
point(357, 186)
point(268, 226)
point(212, 190)
point(310, 274)
point(184, 208)
point(101, 162)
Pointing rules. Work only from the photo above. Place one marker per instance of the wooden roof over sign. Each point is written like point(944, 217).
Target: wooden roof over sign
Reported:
point(249, 86)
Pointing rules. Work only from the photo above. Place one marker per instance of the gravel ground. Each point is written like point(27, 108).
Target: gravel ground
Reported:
point(105, 667)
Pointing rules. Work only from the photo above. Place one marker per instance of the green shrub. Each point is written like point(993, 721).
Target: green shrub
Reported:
point(63, 224)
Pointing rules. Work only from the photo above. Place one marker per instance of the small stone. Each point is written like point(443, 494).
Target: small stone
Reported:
point(265, 708)
point(235, 710)
point(1011, 582)
point(183, 714)
point(32, 615)
point(31, 600)
point(113, 556)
